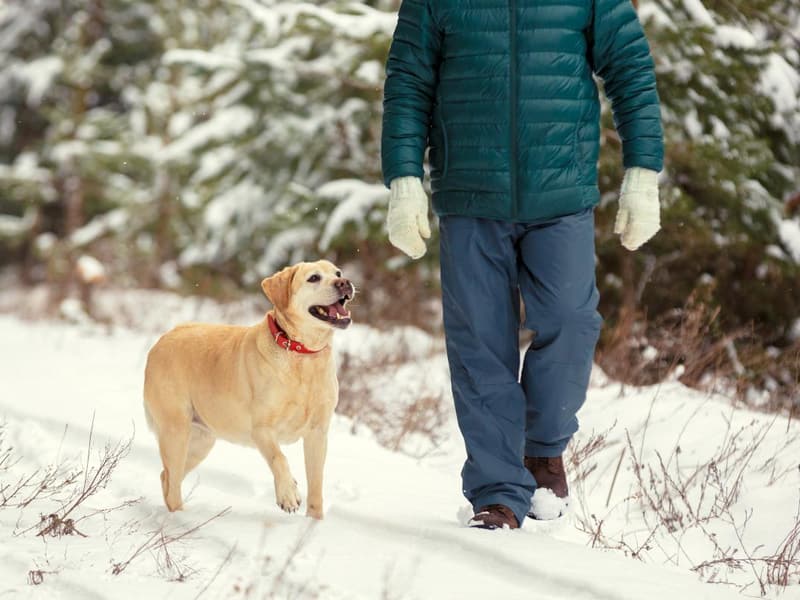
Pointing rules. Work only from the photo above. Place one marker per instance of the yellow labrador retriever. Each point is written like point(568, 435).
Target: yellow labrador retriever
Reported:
point(265, 385)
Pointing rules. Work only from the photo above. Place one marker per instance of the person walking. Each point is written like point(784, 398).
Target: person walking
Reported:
point(503, 95)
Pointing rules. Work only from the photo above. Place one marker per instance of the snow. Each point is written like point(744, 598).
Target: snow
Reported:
point(7, 124)
point(789, 232)
point(69, 150)
point(699, 13)
point(169, 275)
point(264, 14)
point(220, 126)
point(692, 124)
point(39, 75)
point(683, 70)
point(719, 129)
point(278, 56)
point(365, 23)
point(653, 13)
point(26, 167)
point(729, 36)
point(179, 123)
point(545, 505)
point(211, 61)
point(355, 199)
point(285, 247)
point(794, 334)
point(113, 221)
point(650, 353)
point(90, 269)
point(223, 209)
point(72, 310)
point(781, 81)
point(394, 523)
point(371, 72)
point(11, 226)
point(214, 162)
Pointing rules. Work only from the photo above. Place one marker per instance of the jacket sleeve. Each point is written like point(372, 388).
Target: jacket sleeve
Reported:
point(621, 57)
point(409, 90)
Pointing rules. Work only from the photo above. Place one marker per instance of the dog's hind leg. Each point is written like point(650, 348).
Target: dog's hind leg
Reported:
point(173, 443)
point(201, 440)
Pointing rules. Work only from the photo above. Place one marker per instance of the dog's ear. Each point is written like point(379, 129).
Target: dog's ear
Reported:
point(278, 287)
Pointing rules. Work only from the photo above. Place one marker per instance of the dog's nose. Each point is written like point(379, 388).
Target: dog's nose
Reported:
point(344, 287)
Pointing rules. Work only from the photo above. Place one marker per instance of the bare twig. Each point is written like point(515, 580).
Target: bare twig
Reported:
point(299, 544)
point(362, 398)
point(159, 539)
point(614, 478)
point(221, 566)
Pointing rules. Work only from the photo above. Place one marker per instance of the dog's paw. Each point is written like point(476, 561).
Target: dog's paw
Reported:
point(288, 496)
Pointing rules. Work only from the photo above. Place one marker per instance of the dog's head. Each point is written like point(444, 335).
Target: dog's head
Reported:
point(311, 291)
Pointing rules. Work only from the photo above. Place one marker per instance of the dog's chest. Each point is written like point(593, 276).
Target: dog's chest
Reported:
point(304, 402)
point(296, 419)
point(298, 416)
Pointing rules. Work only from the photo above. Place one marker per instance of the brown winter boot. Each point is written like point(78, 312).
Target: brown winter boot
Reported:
point(494, 516)
point(548, 473)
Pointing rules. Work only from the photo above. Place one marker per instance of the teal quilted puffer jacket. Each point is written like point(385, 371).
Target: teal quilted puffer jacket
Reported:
point(502, 92)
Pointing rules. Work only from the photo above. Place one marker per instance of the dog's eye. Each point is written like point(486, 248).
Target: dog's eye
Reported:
point(338, 273)
point(314, 278)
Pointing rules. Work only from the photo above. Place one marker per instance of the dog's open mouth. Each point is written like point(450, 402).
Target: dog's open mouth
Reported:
point(336, 314)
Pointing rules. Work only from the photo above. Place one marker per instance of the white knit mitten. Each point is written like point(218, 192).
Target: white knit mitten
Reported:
point(638, 218)
point(407, 220)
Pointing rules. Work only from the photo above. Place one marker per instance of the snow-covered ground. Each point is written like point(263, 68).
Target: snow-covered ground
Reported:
point(394, 525)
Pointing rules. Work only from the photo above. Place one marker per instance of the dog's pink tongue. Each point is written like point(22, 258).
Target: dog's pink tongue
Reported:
point(336, 309)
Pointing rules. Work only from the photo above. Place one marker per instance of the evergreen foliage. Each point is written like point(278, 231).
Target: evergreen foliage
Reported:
point(201, 146)
point(729, 81)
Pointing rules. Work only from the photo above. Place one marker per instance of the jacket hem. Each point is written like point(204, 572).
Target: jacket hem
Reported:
point(498, 207)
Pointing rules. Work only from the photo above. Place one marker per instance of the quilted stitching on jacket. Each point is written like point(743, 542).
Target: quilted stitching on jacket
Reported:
point(516, 137)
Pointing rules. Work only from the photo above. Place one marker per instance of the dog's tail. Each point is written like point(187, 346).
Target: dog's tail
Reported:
point(149, 418)
point(151, 422)
point(147, 391)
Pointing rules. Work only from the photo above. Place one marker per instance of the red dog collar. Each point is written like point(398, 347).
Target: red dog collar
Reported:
point(280, 337)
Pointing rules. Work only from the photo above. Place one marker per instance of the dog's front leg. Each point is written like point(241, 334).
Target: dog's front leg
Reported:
point(286, 493)
point(315, 447)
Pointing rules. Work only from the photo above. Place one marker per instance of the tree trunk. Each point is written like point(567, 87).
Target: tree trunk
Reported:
point(70, 177)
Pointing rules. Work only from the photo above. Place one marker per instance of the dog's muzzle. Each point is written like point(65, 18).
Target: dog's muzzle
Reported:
point(336, 314)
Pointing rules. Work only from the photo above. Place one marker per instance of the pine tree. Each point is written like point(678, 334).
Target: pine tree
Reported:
point(68, 174)
point(294, 160)
point(729, 85)
point(277, 158)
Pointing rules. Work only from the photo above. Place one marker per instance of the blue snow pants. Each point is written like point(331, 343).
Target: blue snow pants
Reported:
point(485, 266)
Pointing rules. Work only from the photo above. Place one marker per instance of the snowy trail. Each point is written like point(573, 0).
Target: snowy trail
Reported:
point(533, 570)
point(391, 529)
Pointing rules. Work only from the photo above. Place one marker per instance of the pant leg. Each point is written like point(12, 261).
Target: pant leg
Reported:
point(557, 281)
point(480, 302)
